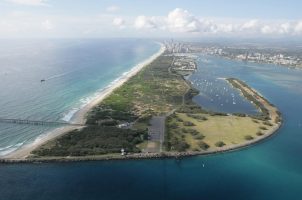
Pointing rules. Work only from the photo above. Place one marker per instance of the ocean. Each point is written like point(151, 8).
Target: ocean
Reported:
point(271, 169)
point(75, 71)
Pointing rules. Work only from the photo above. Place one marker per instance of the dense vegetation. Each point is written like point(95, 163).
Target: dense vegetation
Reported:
point(153, 90)
point(93, 140)
point(264, 115)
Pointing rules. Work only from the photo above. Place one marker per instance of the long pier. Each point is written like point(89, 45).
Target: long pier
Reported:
point(36, 122)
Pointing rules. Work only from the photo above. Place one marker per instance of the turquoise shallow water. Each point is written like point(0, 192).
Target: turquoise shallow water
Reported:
point(74, 70)
point(271, 169)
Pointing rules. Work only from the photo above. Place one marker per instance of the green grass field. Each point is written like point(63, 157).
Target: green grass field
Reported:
point(211, 130)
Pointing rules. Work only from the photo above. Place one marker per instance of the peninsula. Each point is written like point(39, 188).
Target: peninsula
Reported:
point(151, 114)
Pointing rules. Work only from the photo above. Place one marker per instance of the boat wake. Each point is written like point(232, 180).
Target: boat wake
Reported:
point(60, 75)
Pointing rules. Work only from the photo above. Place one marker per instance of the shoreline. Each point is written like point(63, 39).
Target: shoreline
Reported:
point(140, 156)
point(273, 111)
point(24, 155)
point(80, 116)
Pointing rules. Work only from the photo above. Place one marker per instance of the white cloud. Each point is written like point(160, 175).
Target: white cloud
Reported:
point(120, 22)
point(143, 22)
point(209, 26)
point(29, 2)
point(180, 20)
point(226, 28)
point(6, 27)
point(47, 25)
point(177, 22)
point(266, 29)
point(112, 8)
point(298, 28)
point(285, 28)
point(251, 25)
point(17, 24)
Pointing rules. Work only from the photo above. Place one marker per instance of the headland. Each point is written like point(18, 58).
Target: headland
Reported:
point(149, 113)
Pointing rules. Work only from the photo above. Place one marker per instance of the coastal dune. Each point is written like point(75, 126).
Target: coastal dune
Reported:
point(80, 116)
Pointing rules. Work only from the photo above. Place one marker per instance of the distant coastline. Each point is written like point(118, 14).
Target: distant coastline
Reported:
point(80, 116)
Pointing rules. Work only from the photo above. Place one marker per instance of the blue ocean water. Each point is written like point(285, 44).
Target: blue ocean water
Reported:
point(271, 169)
point(216, 94)
point(74, 72)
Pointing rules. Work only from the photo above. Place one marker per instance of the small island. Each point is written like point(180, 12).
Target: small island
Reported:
point(152, 115)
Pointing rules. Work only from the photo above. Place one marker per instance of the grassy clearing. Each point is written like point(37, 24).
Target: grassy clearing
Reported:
point(212, 130)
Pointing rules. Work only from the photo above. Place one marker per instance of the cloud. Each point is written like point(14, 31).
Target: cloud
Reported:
point(250, 25)
point(226, 28)
point(285, 28)
point(177, 22)
point(112, 8)
point(120, 22)
point(143, 22)
point(180, 20)
point(24, 24)
point(298, 28)
point(6, 27)
point(266, 29)
point(47, 25)
point(29, 2)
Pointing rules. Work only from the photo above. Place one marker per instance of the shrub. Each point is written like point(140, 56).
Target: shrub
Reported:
point(203, 145)
point(195, 149)
point(240, 114)
point(259, 133)
point(197, 117)
point(193, 132)
point(178, 145)
point(179, 119)
point(199, 137)
point(182, 146)
point(187, 123)
point(173, 125)
point(263, 128)
point(248, 137)
point(144, 119)
point(278, 119)
point(267, 123)
point(184, 130)
point(219, 144)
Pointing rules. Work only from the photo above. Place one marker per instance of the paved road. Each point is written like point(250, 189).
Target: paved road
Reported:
point(156, 133)
point(156, 129)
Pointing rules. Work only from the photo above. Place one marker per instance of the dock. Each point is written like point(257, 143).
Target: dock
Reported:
point(36, 122)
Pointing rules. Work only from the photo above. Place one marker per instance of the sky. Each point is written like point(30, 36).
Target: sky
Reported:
point(150, 18)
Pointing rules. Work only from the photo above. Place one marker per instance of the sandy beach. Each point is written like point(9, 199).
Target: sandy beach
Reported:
point(80, 116)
